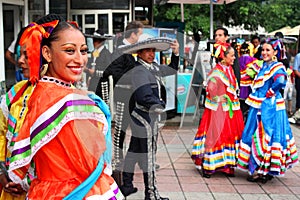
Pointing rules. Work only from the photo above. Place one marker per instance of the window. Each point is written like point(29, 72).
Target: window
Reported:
point(103, 22)
point(119, 22)
point(100, 4)
point(89, 19)
point(58, 7)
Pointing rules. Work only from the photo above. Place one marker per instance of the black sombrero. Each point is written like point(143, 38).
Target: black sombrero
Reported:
point(99, 34)
point(159, 43)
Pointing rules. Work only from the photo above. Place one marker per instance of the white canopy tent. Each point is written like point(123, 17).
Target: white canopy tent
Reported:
point(283, 30)
point(293, 31)
point(211, 2)
point(240, 31)
point(287, 31)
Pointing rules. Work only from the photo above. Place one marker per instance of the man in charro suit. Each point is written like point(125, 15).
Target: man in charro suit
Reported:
point(147, 104)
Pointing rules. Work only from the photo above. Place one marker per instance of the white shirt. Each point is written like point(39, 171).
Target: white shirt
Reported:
point(12, 45)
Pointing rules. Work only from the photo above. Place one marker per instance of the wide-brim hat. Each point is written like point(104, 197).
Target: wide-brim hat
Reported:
point(98, 34)
point(158, 43)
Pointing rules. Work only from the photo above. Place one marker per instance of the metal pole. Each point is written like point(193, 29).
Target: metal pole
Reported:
point(211, 24)
point(2, 53)
point(182, 12)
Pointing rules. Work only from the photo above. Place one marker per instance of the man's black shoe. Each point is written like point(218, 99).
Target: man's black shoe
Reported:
point(157, 166)
point(126, 191)
point(161, 198)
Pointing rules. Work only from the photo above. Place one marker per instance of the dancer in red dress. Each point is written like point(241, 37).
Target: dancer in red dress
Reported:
point(216, 143)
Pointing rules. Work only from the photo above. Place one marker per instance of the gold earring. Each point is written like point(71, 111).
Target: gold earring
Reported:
point(223, 62)
point(44, 69)
point(274, 58)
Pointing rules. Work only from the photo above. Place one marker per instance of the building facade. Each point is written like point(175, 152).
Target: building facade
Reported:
point(109, 15)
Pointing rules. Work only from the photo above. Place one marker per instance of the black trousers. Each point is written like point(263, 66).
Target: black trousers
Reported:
point(244, 108)
point(142, 151)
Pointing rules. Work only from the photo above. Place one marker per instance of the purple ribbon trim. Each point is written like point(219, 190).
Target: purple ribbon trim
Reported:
point(50, 120)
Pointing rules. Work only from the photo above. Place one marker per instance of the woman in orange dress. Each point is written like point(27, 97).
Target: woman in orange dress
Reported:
point(66, 133)
point(13, 109)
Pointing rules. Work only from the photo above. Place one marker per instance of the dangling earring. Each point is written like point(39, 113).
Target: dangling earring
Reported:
point(274, 58)
point(223, 62)
point(44, 69)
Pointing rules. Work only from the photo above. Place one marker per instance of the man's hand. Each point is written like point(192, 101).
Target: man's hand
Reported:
point(10, 187)
point(175, 47)
point(297, 73)
point(13, 188)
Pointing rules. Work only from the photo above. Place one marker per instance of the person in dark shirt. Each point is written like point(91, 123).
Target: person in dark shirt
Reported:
point(98, 62)
point(255, 40)
point(283, 57)
point(121, 64)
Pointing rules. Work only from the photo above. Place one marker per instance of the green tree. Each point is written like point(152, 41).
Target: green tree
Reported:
point(270, 14)
point(246, 13)
point(195, 16)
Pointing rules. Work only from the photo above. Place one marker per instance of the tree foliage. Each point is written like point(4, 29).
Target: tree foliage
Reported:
point(270, 14)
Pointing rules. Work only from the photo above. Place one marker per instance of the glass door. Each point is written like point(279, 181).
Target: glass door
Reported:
point(11, 26)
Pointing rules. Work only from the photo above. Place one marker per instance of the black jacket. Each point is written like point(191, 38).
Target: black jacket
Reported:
point(149, 91)
point(102, 62)
point(120, 65)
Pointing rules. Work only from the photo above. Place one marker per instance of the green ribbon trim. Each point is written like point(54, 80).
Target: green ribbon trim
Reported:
point(230, 105)
point(213, 80)
point(217, 99)
point(251, 72)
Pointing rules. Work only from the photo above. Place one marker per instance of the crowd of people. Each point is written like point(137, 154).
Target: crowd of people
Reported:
point(265, 147)
point(56, 140)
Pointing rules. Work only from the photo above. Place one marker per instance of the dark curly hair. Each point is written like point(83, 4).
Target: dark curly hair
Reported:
point(244, 48)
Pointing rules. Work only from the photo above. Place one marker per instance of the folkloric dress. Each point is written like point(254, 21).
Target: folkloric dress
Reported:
point(216, 143)
point(65, 133)
point(13, 109)
point(247, 62)
point(267, 145)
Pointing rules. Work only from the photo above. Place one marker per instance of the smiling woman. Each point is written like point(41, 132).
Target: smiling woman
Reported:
point(67, 56)
point(216, 142)
point(267, 145)
point(67, 132)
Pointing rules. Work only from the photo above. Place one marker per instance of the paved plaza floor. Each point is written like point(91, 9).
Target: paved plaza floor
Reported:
point(178, 178)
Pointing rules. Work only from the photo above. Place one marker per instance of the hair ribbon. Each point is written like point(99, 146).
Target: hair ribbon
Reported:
point(220, 49)
point(32, 38)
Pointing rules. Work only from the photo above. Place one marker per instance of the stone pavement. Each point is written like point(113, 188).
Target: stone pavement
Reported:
point(178, 179)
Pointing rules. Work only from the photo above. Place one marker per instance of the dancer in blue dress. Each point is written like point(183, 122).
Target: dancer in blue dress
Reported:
point(267, 145)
